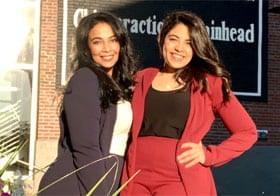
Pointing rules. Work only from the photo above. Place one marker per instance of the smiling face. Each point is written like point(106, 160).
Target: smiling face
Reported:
point(104, 46)
point(176, 50)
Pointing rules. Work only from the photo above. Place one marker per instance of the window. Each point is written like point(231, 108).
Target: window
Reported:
point(18, 81)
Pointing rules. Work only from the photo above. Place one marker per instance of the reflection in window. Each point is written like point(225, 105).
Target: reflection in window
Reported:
point(26, 53)
point(16, 71)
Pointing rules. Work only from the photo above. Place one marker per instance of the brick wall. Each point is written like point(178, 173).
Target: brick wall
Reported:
point(265, 114)
point(47, 109)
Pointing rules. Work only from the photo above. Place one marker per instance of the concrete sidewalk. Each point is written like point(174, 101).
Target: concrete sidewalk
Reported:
point(256, 172)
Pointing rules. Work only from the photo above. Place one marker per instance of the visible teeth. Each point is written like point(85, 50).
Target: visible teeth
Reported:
point(177, 56)
point(107, 57)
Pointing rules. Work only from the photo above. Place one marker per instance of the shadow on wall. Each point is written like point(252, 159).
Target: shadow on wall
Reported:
point(257, 172)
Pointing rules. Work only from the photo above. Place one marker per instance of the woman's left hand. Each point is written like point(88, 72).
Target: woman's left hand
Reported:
point(194, 154)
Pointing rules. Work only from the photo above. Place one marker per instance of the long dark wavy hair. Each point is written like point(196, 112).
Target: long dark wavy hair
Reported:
point(119, 85)
point(205, 60)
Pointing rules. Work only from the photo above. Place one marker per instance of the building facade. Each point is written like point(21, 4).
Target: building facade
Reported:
point(42, 73)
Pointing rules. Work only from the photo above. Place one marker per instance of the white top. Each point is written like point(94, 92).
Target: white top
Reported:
point(121, 128)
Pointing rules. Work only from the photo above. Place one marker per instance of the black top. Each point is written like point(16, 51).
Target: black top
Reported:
point(165, 113)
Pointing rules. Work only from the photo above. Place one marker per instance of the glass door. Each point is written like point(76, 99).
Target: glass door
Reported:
point(19, 38)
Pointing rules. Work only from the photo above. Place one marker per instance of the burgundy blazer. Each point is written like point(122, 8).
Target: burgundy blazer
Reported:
point(85, 137)
point(198, 179)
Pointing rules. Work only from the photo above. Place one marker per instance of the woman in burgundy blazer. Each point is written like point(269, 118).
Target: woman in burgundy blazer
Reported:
point(167, 149)
point(95, 105)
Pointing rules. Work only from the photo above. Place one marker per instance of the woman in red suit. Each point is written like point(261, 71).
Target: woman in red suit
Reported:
point(174, 107)
point(96, 114)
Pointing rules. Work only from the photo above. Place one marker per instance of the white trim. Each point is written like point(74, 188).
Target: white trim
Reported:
point(34, 96)
point(259, 90)
point(64, 43)
point(260, 47)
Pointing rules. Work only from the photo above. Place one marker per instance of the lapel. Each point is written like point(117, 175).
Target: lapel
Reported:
point(145, 78)
point(148, 78)
point(107, 122)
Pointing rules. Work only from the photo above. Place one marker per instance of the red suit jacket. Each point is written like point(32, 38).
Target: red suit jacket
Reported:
point(198, 179)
